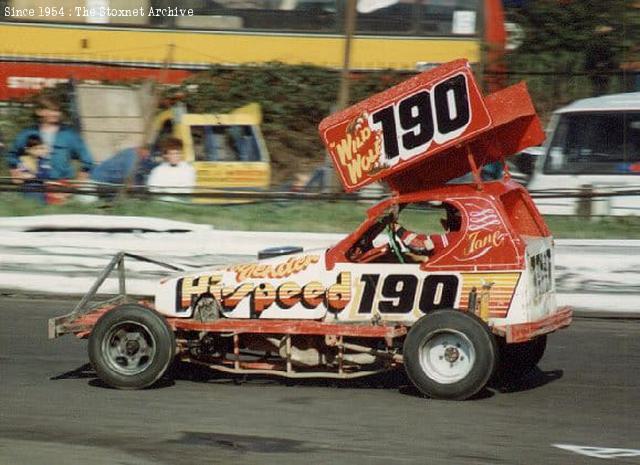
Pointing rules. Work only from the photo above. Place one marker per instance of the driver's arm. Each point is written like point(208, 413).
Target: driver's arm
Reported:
point(420, 244)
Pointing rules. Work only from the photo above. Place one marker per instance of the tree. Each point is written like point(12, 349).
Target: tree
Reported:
point(573, 36)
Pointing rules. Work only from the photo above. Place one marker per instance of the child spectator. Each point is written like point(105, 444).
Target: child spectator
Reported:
point(34, 168)
point(34, 164)
point(173, 175)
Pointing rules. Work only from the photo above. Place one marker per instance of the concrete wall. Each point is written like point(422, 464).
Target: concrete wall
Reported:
point(112, 118)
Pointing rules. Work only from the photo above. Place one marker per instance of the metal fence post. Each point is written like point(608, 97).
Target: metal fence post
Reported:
point(583, 206)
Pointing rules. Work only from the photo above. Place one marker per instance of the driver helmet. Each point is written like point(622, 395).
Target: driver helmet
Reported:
point(453, 221)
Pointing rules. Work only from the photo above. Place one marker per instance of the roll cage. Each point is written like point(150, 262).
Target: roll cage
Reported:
point(468, 199)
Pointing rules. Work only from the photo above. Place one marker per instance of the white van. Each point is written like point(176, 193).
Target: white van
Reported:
point(592, 144)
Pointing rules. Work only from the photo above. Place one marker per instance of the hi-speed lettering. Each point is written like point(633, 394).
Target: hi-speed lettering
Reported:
point(263, 295)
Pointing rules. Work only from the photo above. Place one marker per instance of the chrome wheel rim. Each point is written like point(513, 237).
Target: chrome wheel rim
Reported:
point(447, 356)
point(129, 348)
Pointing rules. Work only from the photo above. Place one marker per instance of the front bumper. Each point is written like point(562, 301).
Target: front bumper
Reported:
point(523, 332)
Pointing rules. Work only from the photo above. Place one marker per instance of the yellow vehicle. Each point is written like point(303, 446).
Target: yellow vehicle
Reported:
point(227, 150)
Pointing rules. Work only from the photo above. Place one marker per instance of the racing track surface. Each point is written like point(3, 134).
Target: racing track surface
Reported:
point(54, 411)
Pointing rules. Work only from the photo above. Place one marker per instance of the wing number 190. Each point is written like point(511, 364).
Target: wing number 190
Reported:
point(409, 126)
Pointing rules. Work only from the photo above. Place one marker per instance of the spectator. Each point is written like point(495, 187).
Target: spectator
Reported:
point(34, 168)
point(2, 146)
point(300, 182)
point(63, 145)
point(173, 175)
point(132, 163)
point(490, 172)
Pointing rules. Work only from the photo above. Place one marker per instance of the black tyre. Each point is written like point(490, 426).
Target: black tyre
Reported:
point(449, 354)
point(516, 360)
point(131, 347)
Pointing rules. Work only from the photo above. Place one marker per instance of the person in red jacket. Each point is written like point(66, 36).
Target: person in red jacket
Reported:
point(424, 245)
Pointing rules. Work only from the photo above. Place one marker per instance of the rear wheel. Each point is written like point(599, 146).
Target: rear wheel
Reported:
point(450, 354)
point(516, 360)
point(131, 347)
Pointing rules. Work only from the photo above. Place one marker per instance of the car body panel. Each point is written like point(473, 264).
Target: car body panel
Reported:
point(489, 257)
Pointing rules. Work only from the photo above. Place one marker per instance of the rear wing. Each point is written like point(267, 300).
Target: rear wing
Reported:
point(428, 130)
point(74, 322)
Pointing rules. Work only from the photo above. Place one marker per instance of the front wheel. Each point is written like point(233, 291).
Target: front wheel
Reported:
point(449, 354)
point(131, 347)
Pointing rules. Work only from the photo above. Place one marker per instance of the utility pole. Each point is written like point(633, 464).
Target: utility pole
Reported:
point(152, 90)
point(330, 181)
point(349, 29)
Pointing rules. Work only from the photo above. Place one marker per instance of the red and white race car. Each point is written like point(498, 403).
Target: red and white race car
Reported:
point(478, 297)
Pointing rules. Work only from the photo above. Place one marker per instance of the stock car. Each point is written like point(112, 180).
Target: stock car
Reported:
point(483, 300)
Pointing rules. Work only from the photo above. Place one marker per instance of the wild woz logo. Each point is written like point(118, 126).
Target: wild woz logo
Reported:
point(359, 150)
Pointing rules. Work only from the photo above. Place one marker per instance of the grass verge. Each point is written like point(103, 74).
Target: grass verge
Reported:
point(307, 216)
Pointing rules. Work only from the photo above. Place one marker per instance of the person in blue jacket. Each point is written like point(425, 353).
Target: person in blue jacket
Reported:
point(489, 172)
point(63, 142)
point(133, 163)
